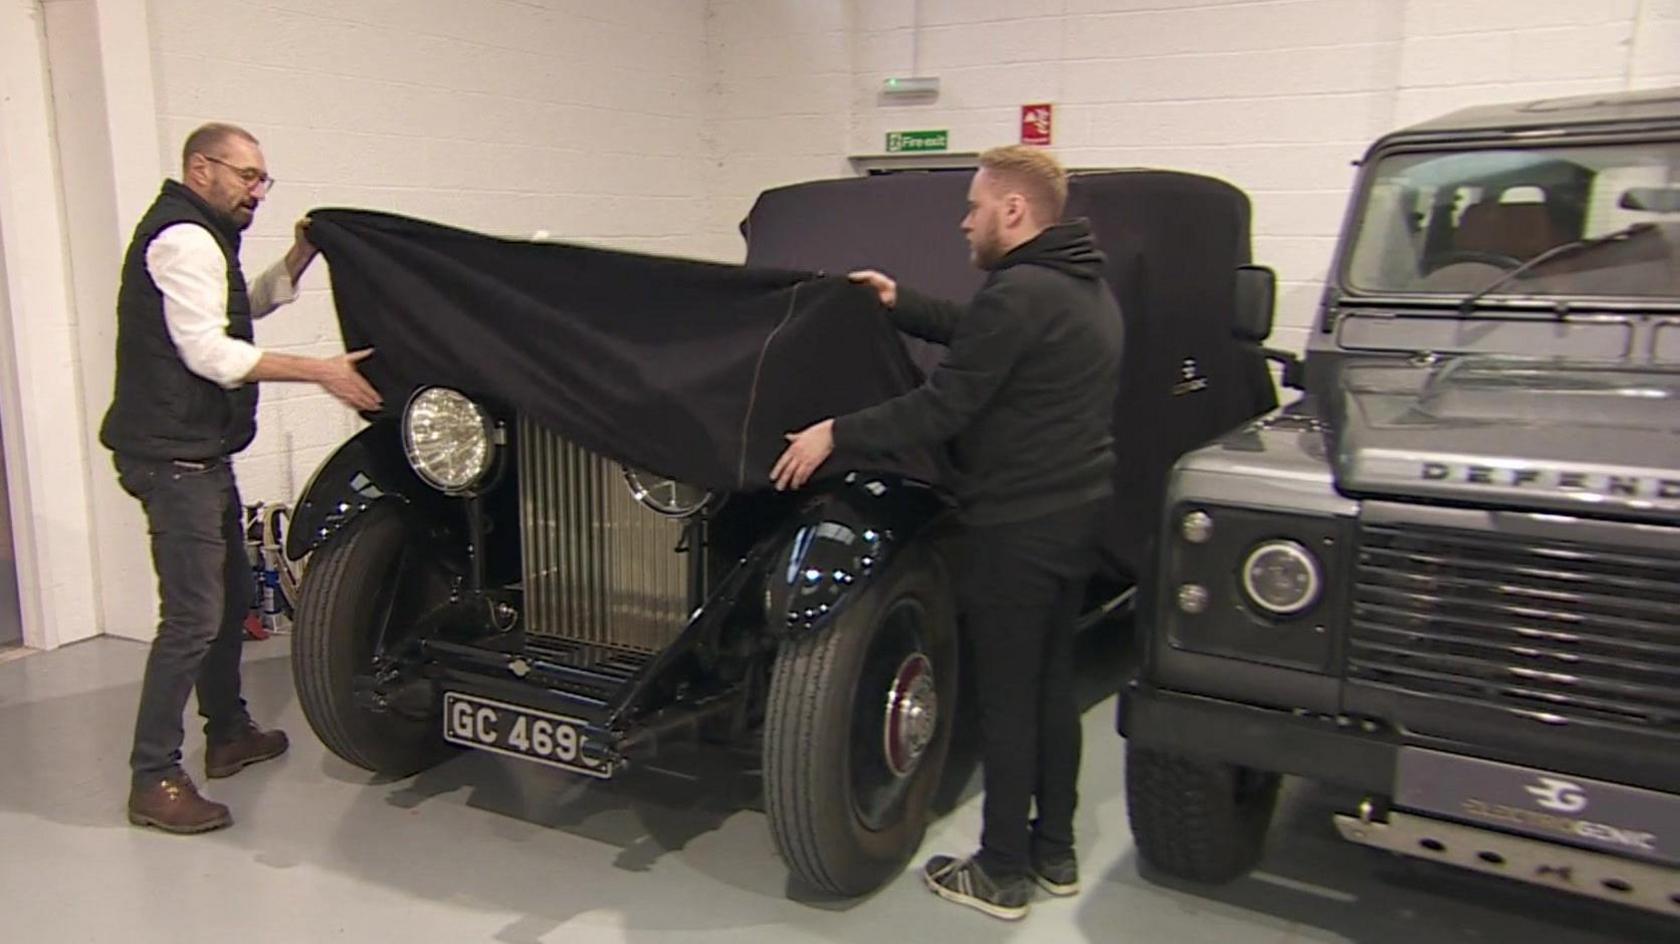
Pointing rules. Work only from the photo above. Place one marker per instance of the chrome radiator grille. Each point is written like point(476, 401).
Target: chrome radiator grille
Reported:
point(599, 567)
point(1551, 628)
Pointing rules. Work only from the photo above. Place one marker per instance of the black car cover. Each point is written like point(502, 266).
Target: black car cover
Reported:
point(692, 370)
point(1173, 242)
point(696, 370)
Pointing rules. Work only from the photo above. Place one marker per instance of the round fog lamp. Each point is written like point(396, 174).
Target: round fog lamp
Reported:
point(1197, 527)
point(447, 438)
point(1281, 577)
point(1192, 598)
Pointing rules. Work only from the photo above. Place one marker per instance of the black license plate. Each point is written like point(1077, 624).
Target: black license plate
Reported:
point(1609, 817)
point(518, 732)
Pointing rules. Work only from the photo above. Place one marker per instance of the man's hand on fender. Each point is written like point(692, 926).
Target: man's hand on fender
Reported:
point(885, 288)
point(807, 450)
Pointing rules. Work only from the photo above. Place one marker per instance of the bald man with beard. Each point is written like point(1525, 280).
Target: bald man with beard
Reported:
point(185, 402)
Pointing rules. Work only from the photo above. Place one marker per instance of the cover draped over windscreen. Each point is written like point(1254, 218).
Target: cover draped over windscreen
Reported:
point(1173, 243)
point(692, 370)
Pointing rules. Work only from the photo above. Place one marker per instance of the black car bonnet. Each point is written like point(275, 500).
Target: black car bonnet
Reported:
point(692, 370)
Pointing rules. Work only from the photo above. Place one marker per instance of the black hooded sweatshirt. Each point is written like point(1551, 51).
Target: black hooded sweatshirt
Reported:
point(1025, 394)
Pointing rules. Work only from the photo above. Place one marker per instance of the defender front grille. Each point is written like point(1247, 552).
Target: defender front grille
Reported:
point(1549, 628)
point(599, 568)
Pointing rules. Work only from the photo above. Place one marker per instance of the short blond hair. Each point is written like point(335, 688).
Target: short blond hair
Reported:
point(1032, 172)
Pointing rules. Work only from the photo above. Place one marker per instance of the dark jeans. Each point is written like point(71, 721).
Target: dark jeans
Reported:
point(1022, 587)
point(204, 588)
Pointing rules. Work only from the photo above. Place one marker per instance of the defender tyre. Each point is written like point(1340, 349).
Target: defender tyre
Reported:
point(857, 727)
point(360, 592)
point(1197, 819)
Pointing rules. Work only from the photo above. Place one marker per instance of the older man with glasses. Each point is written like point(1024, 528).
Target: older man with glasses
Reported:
point(185, 402)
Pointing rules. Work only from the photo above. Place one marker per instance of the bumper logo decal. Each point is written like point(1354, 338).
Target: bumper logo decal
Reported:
point(1559, 795)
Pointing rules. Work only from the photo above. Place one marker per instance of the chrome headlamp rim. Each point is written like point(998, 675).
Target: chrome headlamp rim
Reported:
point(641, 489)
point(1298, 552)
point(423, 465)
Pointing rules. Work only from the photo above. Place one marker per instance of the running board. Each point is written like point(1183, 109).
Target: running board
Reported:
point(1566, 868)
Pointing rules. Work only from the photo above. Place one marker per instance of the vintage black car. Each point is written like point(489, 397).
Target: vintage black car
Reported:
point(478, 579)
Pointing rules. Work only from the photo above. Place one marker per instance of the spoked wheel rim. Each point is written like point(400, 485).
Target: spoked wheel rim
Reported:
point(895, 716)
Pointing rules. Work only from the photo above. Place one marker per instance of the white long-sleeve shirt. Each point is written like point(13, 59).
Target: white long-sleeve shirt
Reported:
point(187, 265)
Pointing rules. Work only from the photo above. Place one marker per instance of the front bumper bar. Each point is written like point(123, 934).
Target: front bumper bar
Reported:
point(1565, 868)
point(1331, 750)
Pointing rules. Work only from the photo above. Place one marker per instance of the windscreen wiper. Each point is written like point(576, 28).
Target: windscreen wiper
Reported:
point(1614, 236)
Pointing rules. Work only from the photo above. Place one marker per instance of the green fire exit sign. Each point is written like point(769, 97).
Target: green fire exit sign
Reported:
point(899, 141)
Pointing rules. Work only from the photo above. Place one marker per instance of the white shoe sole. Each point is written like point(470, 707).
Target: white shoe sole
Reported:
point(1060, 891)
point(1002, 912)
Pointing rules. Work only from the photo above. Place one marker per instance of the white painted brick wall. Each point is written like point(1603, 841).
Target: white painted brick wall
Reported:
point(1655, 62)
point(779, 108)
point(580, 118)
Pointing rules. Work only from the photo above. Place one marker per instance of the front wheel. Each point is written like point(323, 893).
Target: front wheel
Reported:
point(856, 731)
point(362, 597)
point(1196, 819)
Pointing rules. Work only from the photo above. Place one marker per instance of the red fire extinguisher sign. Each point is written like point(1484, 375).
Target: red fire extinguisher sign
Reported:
point(1035, 124)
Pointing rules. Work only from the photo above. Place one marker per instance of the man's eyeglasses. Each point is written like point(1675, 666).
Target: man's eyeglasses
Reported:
point(255, 180)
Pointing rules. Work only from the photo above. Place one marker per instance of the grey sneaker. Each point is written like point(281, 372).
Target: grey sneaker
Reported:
point(966, 883)
point(1057, 874)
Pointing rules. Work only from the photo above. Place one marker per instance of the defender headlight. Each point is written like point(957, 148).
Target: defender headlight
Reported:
point(1281, 577)
point(666, 496)
point(448, 439)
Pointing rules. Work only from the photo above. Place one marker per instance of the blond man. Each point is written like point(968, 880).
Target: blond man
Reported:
point(1025, 400)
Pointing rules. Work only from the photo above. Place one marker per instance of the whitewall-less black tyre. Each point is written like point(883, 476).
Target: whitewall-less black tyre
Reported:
point(1197, 819)
point(857, 727)
point(361, 595)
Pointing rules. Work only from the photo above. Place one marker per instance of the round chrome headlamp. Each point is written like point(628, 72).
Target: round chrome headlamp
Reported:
point(666, 496)
point(448, 439)
point(1281, 577)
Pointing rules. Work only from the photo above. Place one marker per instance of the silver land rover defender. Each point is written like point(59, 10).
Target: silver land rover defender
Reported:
point(1448, 576)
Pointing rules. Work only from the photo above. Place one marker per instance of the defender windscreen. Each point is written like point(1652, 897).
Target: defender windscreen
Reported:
point(1457, 223)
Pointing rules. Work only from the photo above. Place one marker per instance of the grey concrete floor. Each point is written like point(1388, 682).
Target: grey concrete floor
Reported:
point(485, 848)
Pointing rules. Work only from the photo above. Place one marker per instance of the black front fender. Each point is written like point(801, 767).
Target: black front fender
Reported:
point(849, 533)
point(839, 542)
point(370, 467)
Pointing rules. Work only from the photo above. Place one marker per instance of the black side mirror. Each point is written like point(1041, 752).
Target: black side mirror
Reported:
point(1256, 294)
point(1651, 199)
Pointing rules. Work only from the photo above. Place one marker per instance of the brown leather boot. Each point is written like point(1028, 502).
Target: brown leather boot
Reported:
point(173, 805)
point(250, 746)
